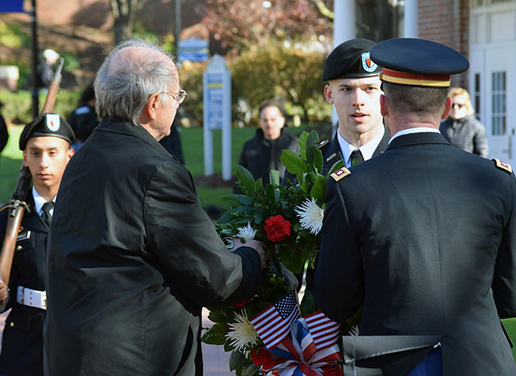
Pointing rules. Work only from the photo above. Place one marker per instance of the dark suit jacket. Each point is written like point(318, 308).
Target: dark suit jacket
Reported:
point(22, 341)
point(424, 237)
point(133, 259)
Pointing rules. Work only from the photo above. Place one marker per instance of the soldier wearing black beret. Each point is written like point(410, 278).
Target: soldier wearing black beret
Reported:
point(45, 143)
point(422, 236)
point(354, 88)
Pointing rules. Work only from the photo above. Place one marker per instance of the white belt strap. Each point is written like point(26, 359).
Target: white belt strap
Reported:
point(32, 298)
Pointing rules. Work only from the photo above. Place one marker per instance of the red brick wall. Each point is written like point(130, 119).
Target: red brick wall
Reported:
point(447, 22)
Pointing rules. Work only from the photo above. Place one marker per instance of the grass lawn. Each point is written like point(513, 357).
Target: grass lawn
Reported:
point(192, 143)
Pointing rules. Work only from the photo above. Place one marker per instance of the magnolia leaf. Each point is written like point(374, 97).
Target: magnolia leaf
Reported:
point(270, 194)
point(293, 162)
point(231, 200)
point(236, 360)
point(293, 259)
point(212, 338)
point(308, 304)
point(301, 141)
point(319, 188)
point(314, 156)
point(244, 200)
point(335, 167)
point(250, 369)
point(274, 177)
point(245, 179)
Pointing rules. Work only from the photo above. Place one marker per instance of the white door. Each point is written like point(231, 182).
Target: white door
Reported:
point(492, 77)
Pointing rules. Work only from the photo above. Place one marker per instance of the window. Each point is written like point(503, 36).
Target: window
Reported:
point(499, 95)
point(476, 96)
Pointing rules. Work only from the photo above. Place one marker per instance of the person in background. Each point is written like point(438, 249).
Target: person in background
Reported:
point(134, 257)
point(421, 236)
point(84, 119)
point(461, 128)
point(4, 132)
point(262, 153)
point(46, 145)
point(45, 70)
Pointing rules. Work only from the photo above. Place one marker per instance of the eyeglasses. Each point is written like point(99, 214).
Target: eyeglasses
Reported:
point(459, 105)
point(179, 97)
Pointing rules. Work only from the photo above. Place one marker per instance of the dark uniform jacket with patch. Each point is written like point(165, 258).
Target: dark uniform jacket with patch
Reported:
point(22, 342)
point(133, 260)
point(424, 237)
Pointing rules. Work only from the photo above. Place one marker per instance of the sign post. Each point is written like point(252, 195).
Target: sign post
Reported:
point(217, 114)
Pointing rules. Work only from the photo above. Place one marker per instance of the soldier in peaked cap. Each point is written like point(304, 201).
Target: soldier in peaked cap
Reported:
point(354, 88)
point(45, 143)
point(421, 236)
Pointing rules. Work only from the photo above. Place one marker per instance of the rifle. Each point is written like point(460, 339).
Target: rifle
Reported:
point(17, 204)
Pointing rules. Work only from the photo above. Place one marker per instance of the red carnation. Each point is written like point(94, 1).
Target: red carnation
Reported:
point(277, 228)
point(332, 370)
point(262, 357)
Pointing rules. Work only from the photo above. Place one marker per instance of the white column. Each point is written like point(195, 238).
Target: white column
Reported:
point(410, 20)
point(344, 28)
point(344, 23)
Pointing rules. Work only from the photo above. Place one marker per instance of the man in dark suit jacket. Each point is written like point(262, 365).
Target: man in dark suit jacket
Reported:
point(422, 236)
point(134, 257)
point(46, 145)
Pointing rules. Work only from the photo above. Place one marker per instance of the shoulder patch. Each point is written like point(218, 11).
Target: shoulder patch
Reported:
point(503, 165)
point(322, 143)
point(340, 173)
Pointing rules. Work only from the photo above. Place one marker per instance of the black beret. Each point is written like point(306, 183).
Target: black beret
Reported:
point(417, 62)
point(47, 125)
point(350, 59)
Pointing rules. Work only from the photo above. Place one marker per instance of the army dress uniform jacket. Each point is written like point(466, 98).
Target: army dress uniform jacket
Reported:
point(434, 255)
point(22, 342)
point(134, 258)
point(332, 152)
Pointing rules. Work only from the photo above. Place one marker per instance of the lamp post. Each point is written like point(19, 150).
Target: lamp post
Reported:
point(35, 52)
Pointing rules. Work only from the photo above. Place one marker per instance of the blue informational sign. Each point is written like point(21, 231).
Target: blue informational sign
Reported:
point(11, 6)
point(215, 100)
point(193, 49)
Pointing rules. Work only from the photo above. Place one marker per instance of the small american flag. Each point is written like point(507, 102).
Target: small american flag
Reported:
point(273, 323)
point(324, 331)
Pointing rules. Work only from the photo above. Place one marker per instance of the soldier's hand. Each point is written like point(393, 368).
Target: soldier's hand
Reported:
point(255, 244)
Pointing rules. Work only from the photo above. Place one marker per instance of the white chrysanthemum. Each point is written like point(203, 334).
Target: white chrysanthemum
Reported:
point(242, 333)
point(310, 215)
point(246, 233)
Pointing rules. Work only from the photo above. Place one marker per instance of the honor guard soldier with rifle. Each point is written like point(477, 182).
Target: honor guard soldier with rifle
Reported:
point(24, 225)
point(45, 143)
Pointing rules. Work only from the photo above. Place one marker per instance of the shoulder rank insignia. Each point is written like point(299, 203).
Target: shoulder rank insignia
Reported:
point(322, 143)
point(503, 165)
point(340, 173)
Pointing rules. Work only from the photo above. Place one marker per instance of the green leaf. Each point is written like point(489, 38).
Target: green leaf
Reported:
point(250, 369)
point(236, 360)
point(270, 194)
point(293, 162)
point(319, 188)
point(335, 167)
point(274, 177)
point(314, 156)
point(245, 179)
point(212, 338)
point(301, 141)
point(293, 259)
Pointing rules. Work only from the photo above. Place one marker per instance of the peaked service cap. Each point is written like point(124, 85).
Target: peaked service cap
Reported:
point(417, 62)
point(47, 125)
point(350, 59)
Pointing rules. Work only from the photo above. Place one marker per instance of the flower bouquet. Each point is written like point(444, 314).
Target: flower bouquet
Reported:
point(288, 219)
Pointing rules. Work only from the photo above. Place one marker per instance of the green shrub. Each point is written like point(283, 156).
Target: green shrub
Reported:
point(17, 107)
point(272, 71)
